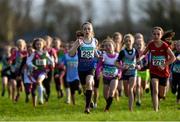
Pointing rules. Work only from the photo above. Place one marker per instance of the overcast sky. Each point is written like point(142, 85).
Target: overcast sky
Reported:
point(101, 9)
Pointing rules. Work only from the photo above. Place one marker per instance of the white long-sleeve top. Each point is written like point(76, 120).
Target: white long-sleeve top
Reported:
point(29, 61)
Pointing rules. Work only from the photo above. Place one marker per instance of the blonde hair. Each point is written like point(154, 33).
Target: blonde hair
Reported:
point(21, 41)
point(128, 36)
point(139, 36)
point(110, 40)
point(116, 34)
point(158, 28)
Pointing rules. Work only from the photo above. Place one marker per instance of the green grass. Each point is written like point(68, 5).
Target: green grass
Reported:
point(57, 109)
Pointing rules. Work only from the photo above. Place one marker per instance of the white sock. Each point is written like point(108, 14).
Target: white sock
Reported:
point(40, 93)
point(68, 95)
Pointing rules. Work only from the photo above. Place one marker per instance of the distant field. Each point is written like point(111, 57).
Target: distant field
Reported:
point(57, 109)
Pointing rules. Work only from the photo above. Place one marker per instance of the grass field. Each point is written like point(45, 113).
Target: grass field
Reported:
point(57, 109)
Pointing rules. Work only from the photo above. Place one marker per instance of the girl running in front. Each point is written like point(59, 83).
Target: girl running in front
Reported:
point(5, 73)
point(176, 73)
point(110, 71)
point(86, 48)
point(143, 71)
point(128, 58)
point(38, 62)
point(161, 57)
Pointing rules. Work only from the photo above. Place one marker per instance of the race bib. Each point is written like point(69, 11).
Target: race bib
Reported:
point(87, 52)
point(130, 63)
point(110, 71)
point(158, 60)
point(41, 62)
point(176, 68)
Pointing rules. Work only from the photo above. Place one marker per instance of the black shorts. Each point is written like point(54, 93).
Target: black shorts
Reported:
point(4, 74)
point(13, 76)
point(108, 81)
point(84, 74)
point(96, 81)
point(74, 85)
point(176, 79)
point(162, 80)
point(126, 77)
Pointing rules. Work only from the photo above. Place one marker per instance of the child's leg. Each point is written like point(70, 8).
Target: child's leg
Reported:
point(27, 91)
point(47, 85)
point(33, 93)
point(155, 84)
point(13, 87)
point(68, 95)
point(72, 90)
point(132, 83)
point(40, 87)
point(113, 87)
point(89, 91)
point(4, 84)
point(57, 84)
point(19, 88)
point(138, 91)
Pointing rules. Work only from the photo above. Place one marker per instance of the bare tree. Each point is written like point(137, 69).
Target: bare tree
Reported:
point(127, 20)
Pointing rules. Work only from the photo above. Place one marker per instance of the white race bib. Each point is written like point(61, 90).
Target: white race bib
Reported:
point(87, 52)
point(41, 62)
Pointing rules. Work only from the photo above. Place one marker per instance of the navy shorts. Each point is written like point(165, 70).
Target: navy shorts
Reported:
point(84, 74)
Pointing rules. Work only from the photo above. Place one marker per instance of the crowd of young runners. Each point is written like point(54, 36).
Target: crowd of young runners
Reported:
point(126, 64)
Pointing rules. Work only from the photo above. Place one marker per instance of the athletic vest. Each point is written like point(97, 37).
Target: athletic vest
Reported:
point(86, 56)
point(109, 68)
point(40, 61)
point(130, 60)
point(19, 59)
point(176, 66)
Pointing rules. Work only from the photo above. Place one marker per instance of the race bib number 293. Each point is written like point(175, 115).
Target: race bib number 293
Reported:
point(87, 53)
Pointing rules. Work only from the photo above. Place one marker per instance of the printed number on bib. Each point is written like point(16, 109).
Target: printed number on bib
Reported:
point(87, 53)
point(158, 61)
point(41, 62)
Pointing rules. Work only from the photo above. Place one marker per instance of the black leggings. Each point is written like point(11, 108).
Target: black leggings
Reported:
point(47, 83)
point(176, 84)
point(58, 82)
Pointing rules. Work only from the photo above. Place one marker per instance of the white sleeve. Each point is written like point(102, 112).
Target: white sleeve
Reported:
point(29, 60)
point(50, 58)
